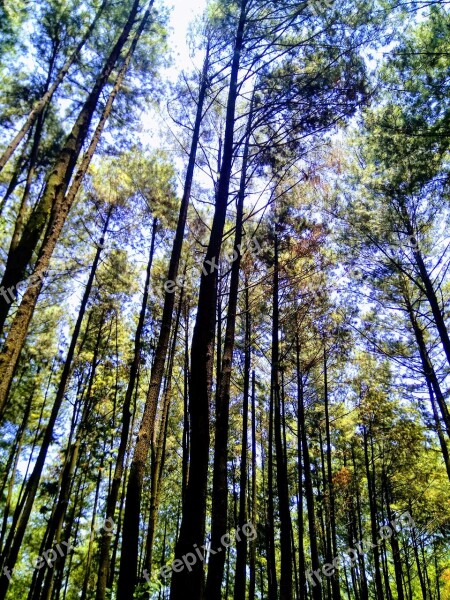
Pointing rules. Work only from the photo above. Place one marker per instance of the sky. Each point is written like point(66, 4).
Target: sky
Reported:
point(183, 12)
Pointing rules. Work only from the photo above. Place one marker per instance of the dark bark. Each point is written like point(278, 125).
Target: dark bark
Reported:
point(316, 588)
point(428, 369)
point(359, 532)
point(160, 455)
point(428, 287)
point(19, 167)
point(323, 512)
point(331, 498)
point(38, 575)
point(11, 466)
point(371, 489)
point(87, 572)
point(55, 527)
point(105, 542)
point(46, 98)
point(32, 485)
point(270, 522)
point(219, 513)
point(61, 204)
point(253, 543)
point(394, 542)
point(420, 573)
point(434, 304)
point(242, 545)
point(192, 530)
point(130, 542)
point(281, 459)
point(302, 591)
point(185, 460)
point(54, 205)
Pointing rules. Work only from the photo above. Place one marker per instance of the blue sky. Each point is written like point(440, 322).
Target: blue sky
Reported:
point(183, 12)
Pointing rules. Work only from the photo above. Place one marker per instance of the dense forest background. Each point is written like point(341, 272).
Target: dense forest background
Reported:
point(224, 300)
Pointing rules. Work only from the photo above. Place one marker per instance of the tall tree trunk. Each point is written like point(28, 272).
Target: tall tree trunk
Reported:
point(185, 459)
point(428, 287)
point(79, 488)
point(87, 571)
point(387, 585)
point(130, 542)
point(105, 542)
point(252, 583)
point(281, 459)
point(56, 525)
point(38, 575)
point(22, 212)
point(394, 542)
point(46, 98)
point(241, 549)
point(219, 513)
point(20, 219)
point(302, 591)
point(316, 587)
point(192, 530)
point(12, 463)
point(332, 508)
point(324, 512)
point(423, 586)
point(19, 167)
point(270, 514)
point(371, 489)
point(160, 455)
point(359, 532)
point(434, 304)
point(55, 204)
point(32, 485)
point(428, 370)
point(433, 385)
point(61, 206)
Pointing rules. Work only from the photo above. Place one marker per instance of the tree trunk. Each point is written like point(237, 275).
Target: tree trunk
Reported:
point(316, 587)
point(20, 165)
point(252, 583)
point(428, 370)
point(61, 205)
point(87, 571)
point(158, 463)
point(192, 530)
point(105, 542)
point(281, 460)
point(44, 101)
point(428, 287)
point(219, 513)
point(185, 459)
point(302, 591)
point(241, 548)
point(56, 204)
point(394, 544)
point(359, 532)
point(12, 463)
point(130, 541)
point(371, 489)
point(324, 512)
point(332, 509)
point(33, 482)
